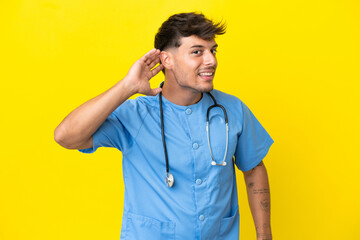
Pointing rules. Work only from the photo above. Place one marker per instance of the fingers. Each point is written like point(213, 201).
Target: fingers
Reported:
point(153, 59)
point(154, 62)
point(154, 91)
point(157, 69)
point(151, 56)
point(148, 54)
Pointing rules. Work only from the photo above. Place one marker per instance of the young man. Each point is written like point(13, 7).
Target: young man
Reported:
point(179, 178)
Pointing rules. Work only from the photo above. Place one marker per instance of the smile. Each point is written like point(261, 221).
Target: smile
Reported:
point(206, 74)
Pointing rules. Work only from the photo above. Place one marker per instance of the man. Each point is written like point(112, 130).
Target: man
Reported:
point(163, 136)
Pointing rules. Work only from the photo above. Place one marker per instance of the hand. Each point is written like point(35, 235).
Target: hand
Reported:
point(140, 73)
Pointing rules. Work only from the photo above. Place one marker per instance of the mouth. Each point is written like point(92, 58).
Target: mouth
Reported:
point(207, 75)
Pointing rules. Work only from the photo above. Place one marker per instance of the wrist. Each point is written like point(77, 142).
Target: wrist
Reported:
point(264, 236)
point(128, 86)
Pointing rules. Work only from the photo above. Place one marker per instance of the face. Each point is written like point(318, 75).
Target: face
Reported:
point(194, 64)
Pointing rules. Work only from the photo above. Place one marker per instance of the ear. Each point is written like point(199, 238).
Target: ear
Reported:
point(166, 59)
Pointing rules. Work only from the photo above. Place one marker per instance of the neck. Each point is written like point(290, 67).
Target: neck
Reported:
point(180, 95)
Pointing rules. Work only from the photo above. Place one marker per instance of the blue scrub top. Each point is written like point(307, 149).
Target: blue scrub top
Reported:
point(203, 202)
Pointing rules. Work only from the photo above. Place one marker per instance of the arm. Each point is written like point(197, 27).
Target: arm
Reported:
point(257, 185)
point(76, 130)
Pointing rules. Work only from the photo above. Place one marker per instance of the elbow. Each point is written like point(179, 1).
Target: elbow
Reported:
point(60, 137)
point(67, 139)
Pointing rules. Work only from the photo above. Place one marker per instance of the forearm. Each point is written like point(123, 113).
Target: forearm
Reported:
point(258, 191)
point(82, 122)
point(78, 127)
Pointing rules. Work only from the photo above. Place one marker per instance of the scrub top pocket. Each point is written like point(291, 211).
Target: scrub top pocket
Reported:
point(140, 227)
point(227, 229)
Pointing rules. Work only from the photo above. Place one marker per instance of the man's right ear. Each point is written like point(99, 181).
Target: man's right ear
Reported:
point(166, 59)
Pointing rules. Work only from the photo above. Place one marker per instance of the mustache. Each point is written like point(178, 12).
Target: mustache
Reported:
point(208, 69)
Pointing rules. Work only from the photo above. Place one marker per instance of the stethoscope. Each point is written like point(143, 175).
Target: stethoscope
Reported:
point(169, 177)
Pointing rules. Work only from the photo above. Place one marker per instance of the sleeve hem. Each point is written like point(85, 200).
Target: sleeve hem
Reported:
point(86, 150)
point(262, 155)
point(93, 148)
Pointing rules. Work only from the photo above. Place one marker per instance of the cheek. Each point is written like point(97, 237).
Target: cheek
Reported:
point(188, 66)
point(192, 66)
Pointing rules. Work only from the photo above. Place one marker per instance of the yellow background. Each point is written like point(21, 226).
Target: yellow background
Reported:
point(294, 63)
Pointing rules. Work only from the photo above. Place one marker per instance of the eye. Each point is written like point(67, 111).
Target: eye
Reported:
point(213, 51)
point(196, 52)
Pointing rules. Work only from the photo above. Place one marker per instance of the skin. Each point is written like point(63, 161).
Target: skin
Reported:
point(76, 129)
point(183, 86)
point(258, 192)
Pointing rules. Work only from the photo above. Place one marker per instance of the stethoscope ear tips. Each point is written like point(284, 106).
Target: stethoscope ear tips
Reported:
point(220, 164)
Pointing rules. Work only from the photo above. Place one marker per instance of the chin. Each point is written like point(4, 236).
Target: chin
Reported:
point(209, 89)
point(204, 90)
point(206, 87)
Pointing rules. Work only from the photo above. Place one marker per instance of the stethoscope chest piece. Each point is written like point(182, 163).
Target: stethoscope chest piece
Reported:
point(169, 180)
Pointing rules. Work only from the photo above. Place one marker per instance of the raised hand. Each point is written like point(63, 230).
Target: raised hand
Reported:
point(140, 73)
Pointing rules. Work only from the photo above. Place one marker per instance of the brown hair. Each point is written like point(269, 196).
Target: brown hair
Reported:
point(185, 25)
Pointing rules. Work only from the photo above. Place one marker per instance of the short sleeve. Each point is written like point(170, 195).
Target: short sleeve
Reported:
point(111, 133)
point(253, 142)
point(120, 128)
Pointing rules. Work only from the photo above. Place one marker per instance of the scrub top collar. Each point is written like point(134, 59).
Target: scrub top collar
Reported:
point(195, 106)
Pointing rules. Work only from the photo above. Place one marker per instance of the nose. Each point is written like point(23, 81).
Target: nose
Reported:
point(210, 59)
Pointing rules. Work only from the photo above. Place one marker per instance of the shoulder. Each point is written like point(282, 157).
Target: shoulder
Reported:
point(139, 106)
point(227, 99)
point(148, 101)
point(224, 96)
point(140, 102)
point(233, 105)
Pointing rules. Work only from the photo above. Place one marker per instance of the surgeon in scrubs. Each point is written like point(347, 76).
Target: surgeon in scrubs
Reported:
point(179, 152)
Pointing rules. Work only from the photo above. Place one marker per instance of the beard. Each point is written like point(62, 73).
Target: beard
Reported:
point(198, 86)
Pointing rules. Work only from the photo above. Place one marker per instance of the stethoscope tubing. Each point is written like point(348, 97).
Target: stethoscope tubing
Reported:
point(163, 133)
point(223, 163)
point(169, 177)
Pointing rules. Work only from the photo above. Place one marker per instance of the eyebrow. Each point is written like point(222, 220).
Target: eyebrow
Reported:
point(201, 46)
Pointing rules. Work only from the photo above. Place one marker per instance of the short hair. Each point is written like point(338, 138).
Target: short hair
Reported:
point(185, 25)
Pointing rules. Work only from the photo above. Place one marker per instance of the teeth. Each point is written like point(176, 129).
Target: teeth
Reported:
point(206, 74)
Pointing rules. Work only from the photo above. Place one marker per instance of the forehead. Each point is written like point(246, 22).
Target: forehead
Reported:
point(191, 41)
